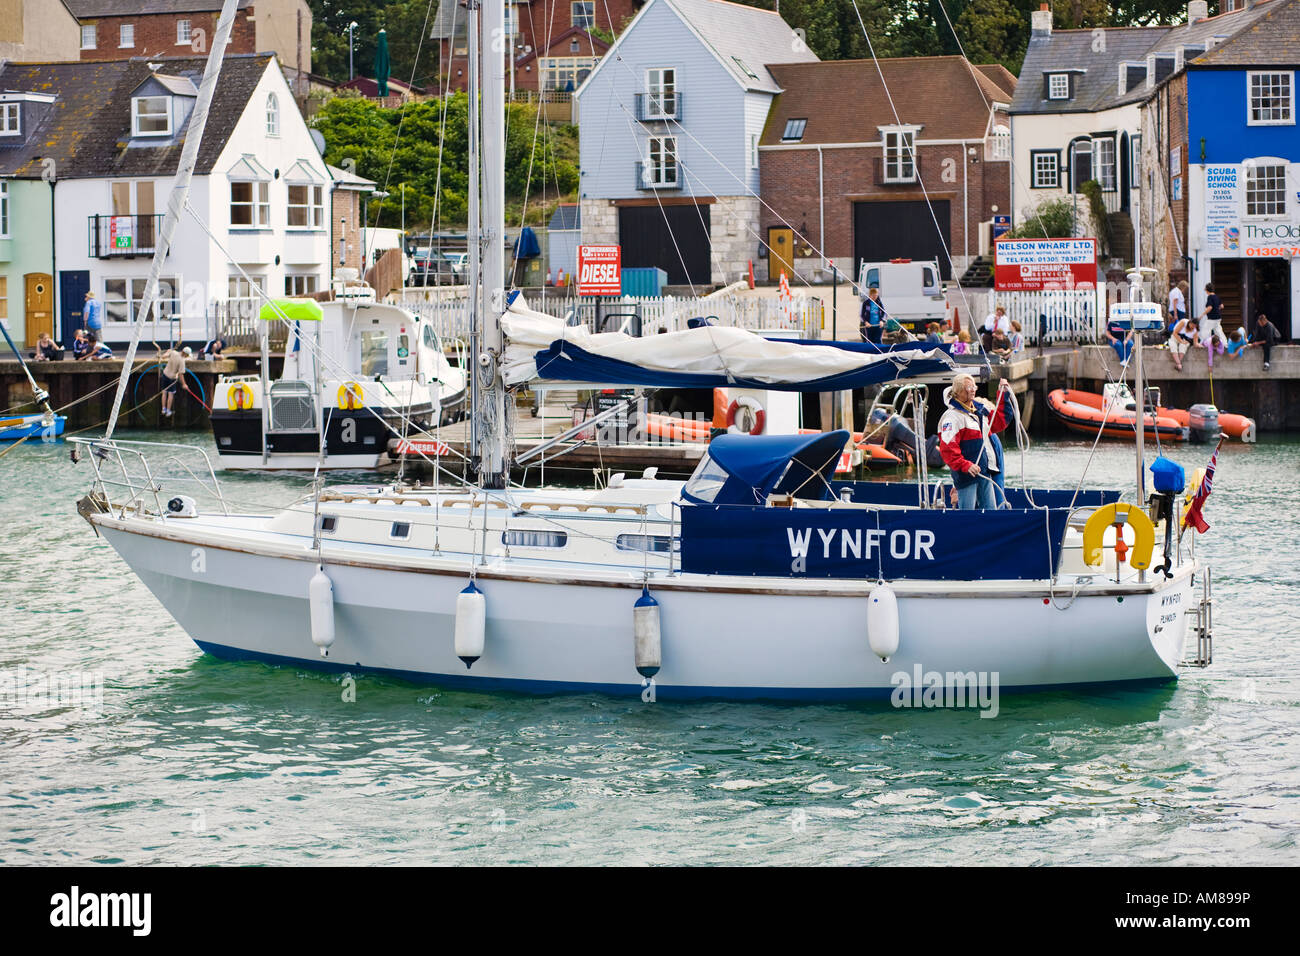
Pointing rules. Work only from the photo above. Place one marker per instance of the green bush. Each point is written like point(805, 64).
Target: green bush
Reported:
point(1050, 219)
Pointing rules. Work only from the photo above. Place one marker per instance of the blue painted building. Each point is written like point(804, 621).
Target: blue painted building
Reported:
point(670, 121)
point(1223, 174)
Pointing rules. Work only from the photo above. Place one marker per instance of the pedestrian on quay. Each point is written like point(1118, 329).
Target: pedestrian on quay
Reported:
point(93, 314)
point(1177, 305)
point(873, 317)
point(173, 373)
point(1211, 318)
point(1266, 336)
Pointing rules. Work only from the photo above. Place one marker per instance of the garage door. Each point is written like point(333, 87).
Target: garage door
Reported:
point(673, 238)
point(901, 230)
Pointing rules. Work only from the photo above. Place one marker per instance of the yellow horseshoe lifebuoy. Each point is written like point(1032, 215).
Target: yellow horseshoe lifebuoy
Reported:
point(239, 397)
point(1144, 532)
point(350, 396)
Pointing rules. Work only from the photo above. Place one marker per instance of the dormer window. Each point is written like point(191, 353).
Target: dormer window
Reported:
point(151, 116)
point(272, 115)
point(11, 123)
point(794, 130)
point(1058, 86)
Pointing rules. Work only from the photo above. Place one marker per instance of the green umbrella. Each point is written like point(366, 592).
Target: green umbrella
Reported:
point(381, 63)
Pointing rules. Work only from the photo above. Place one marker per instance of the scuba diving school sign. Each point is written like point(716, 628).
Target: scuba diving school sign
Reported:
point(1228, 230)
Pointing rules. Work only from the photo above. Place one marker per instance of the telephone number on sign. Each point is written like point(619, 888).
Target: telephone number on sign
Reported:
point(1275, 251)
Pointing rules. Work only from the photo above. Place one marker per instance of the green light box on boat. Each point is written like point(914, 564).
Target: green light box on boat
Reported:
point(295, 310)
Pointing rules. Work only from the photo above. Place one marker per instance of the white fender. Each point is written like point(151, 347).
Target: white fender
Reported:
point(648, 653)
point(320, 597)
point(882, 622)
point(471, 624)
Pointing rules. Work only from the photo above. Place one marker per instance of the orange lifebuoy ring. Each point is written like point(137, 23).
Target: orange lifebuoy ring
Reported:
point(350, 396)
point(760, 416)
point(239, 397)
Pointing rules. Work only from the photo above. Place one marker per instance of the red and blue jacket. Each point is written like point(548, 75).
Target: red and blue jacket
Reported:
point(963, 436)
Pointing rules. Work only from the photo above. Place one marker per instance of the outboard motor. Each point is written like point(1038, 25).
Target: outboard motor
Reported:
point(1203, 423)
point(1168, 479)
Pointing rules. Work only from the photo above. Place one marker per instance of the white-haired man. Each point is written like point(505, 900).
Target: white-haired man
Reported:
point(964, 432)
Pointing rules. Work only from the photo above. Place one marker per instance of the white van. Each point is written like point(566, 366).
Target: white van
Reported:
point(911, 292)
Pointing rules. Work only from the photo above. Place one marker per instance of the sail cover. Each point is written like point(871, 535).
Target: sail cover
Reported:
point(540, 346)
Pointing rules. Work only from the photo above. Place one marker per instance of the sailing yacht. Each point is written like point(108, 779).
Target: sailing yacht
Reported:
point(369, 371)
point(762, 576)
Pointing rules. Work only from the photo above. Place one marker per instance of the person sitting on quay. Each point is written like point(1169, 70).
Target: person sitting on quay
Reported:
point(80, 345)
point(933, 336)
point(1266, 336)
point(1120, 339)
point(1000, 345)
point(997, 319)
point(97, 350)
point(895, 334)
point(46, 349)
point(965, 445)
point(1017, 337)
point(1182, 338)
point(963, 344)
point(1237, 343)
point(212, 349)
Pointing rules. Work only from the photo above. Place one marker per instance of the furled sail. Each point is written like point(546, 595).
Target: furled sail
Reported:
point(540, 346)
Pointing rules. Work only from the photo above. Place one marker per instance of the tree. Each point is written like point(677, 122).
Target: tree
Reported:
point(1050, 219)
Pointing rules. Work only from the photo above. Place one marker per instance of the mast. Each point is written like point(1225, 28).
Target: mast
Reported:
point(493, 467)
point(179, 196)
point(472, 240)
point(1134, 297)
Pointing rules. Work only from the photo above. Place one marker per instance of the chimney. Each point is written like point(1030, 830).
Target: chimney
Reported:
point(1197, 10)
point(1040, 21)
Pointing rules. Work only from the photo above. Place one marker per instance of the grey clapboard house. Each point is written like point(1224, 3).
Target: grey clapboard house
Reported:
point(670, 121)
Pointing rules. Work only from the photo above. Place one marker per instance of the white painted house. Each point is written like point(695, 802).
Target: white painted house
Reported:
point(670, 123)
point(260, 188)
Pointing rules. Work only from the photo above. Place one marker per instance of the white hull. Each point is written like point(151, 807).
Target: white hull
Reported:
point(722, 637)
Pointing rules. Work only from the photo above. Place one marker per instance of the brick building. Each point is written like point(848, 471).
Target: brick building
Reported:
point(119, 29)
point(863, 184)
point(556, 43)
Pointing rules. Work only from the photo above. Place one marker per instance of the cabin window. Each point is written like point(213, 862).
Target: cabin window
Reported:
point(327, 524)
point(794, 130)
point(430, 338)
point(374, 353)
point(1271, 99)
point(400, 529)
point(1266, 191)
point(707, 480)
point(652, 543)
point(900, 155)
point(534, 539)
point(11, 119)
point(151, 116)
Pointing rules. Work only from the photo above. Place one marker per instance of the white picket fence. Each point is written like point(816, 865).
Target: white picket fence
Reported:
point(642, 316)
point(1066, 316)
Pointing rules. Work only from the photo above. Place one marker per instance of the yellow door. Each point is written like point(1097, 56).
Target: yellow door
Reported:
point(40, 305)
point(780, 252)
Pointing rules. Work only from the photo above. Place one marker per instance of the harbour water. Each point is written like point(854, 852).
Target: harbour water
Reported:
point(188, 760)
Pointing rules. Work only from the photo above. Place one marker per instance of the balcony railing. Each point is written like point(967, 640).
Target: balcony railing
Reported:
point(659, 107)
point(123, 237)
point(645, 177)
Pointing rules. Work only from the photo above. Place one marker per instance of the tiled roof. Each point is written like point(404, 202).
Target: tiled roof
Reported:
point(92, 9)
point(87, 128)
point(744, 37)
point(1270, 39)
point(999, 77)
point(450, 12)
point(1097, 79)
point(939, 93)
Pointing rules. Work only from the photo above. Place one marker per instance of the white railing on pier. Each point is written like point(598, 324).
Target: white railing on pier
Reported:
point(1050, 317)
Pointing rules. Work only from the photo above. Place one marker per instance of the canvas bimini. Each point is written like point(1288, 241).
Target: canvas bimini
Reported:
point(356, 373)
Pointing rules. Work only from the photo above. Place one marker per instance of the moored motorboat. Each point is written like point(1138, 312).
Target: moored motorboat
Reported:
point(1088, 413)
point(42, 425)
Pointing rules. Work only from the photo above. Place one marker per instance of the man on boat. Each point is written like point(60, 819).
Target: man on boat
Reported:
point(964, 442)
